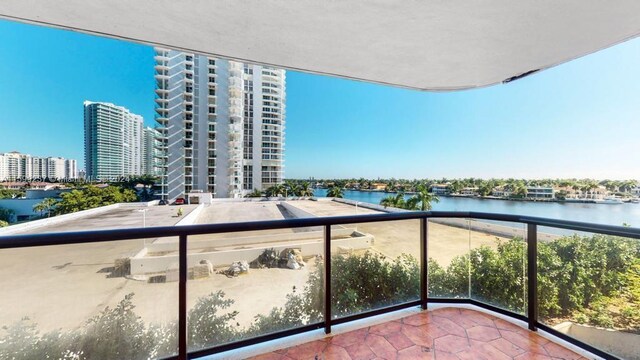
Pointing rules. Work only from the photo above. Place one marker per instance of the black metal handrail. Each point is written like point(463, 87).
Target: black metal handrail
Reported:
point(76, 237)
point(183, 232)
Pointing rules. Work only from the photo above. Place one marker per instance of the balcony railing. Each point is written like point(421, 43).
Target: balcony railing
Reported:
point(525, 294)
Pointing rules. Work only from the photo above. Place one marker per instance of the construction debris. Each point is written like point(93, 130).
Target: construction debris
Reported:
point(237, 268)
point(288, 258)
point(268, 259)
point(291, 258)
point(203, 270)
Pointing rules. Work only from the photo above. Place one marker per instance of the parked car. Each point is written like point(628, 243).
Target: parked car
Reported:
point(163, 202)
point(179, 201)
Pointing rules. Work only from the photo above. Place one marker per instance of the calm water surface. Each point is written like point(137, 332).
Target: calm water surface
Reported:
point(593, 213)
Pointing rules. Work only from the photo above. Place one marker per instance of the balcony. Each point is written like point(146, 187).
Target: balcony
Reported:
point(458, 285)
point(443, 333)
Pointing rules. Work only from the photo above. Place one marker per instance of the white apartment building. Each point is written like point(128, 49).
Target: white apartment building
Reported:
point(221, 125)
point(18, 166)
point(112, 141)
point(149, 145)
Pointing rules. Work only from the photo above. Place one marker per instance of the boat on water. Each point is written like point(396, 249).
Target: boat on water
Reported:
point(610, 200)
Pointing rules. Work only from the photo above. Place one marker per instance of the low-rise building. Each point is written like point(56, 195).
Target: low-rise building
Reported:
point(440, 189)
point(501, 191)
point(469, 191)
point(540, 192)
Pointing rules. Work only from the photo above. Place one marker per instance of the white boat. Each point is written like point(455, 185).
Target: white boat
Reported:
point(610, 200)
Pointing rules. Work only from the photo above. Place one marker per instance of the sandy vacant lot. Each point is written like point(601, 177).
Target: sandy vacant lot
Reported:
point(63, 286)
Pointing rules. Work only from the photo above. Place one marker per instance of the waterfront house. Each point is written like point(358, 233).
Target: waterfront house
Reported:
point(540, 193)
point(440, 189)
point(469, 191)
point(501, 191)
point(596, 193)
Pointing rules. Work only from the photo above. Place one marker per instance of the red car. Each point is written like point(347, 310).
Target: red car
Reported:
point(179, 201)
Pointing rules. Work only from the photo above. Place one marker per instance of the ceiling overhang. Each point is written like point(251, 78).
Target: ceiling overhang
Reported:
point(426, 45)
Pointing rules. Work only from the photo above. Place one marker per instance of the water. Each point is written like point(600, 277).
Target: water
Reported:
point(592, 213)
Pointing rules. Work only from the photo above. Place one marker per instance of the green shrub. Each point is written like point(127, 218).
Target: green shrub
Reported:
point(361, 283)
point(209, 324)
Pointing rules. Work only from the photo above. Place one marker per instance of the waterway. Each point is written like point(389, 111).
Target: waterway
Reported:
point(609, 214)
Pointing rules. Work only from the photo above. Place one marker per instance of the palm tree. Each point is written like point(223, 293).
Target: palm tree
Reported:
point(256, 193)
point(275, 190)
point(422, 199)
point(396, 201)
point(292, 189)
point(305, 189)
point(45, 205)
point(335, 192)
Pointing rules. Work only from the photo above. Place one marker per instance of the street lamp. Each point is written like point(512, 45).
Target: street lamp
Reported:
point(144, 221)
point(357, 202)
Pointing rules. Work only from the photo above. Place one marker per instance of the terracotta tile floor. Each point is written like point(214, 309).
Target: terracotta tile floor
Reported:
point(443, 334)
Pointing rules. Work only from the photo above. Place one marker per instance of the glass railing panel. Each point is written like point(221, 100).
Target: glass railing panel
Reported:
point(247, 284)
point(498, 264)
point(449, 242)
point(374, 265)
point(104, 300)
point(589, 288)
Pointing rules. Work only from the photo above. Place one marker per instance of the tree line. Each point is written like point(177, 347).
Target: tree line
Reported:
point(485, 186)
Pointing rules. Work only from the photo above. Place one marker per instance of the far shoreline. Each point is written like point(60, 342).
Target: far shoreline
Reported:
point(478, 197)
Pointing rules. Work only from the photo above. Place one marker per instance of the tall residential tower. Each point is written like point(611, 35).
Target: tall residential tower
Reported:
point(112, 141)
point(221, 124)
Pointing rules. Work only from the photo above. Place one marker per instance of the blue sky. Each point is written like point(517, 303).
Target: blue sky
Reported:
point(580, 119)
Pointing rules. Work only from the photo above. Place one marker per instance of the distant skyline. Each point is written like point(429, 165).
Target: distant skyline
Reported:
point(577, 120)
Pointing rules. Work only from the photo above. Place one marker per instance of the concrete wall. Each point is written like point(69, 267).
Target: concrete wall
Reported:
point(142, 264)
point(275, 198)
point(191, 218)
point(369, 206)
point(624, 345)
point(295, 211)
point(247, 241)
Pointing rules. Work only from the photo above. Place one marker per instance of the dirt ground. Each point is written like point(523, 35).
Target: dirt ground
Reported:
point(64, 286)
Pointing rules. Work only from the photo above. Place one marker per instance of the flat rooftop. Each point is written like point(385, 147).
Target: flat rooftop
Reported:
point(119, 218)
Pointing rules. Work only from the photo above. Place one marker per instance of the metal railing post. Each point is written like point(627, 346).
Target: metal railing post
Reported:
point(532, 276)
point(182, 298)
point(327, 279)
point(424, 263)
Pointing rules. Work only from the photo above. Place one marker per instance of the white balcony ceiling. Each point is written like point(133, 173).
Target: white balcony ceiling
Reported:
point(427, 44)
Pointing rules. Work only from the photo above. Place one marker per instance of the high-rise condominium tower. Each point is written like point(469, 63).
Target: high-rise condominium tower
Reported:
point(149, 145)
point(112, 141)
point(221, 124)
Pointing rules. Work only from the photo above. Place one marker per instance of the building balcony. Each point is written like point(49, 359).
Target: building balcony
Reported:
point(442, 333)
point(400, 285)
point(160, 58)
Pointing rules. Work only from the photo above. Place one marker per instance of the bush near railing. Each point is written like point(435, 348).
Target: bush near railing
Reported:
point(593, 279)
